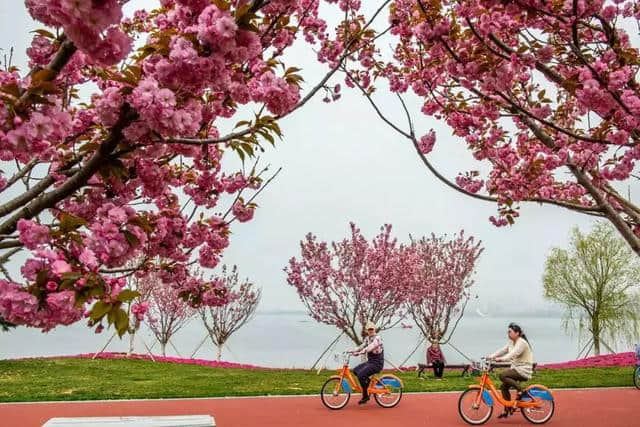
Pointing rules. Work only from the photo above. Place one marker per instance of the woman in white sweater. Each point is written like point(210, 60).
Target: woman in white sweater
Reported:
point(518, 352)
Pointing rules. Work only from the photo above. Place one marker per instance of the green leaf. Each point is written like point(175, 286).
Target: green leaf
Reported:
point(44, 33)
point(67, 284)
point(99, 310)
point(72, 275)
point(247, 148)
point(70, 222)
point(242, 123)
point(90, 146)
point(131, 238)
point(96, 291)
point(122, 321)
point(267, 136)
point(127, 295)
point(241, 154)
point(142, 222)
point(292, 70)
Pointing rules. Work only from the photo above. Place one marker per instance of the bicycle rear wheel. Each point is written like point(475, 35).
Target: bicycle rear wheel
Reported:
point(333, 396)
point(636, 377)
point(393, 391)
point(471, 412)
point(544, 409)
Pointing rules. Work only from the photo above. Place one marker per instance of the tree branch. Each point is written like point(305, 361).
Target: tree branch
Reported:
point(589, 210)
point(48, 200)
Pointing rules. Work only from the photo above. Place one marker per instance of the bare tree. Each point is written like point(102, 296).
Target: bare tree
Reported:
point(221, 322)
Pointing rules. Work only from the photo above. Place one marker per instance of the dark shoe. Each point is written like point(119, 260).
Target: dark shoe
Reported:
point(506, 413)
point(364, 400)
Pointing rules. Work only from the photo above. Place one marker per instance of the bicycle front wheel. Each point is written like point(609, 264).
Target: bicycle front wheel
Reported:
point(636, 377)
point(333, 396)
point(473, 410)
point(393, 391)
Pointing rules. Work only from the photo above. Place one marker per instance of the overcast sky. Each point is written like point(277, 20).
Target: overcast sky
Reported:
point(341, 164)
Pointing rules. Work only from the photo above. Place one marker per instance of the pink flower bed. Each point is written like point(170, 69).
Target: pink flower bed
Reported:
point(618, 359)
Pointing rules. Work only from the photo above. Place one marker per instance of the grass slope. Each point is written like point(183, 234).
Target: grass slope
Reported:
point(85, 379)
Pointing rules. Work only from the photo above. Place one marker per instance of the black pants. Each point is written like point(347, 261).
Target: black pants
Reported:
point(510, 378)
point(363, 371)
point(438, 368)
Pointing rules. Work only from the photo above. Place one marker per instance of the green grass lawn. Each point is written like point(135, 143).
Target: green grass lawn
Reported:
point(78, 379)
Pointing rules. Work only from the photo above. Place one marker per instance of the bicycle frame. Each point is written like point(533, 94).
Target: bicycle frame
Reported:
point(349, 383)
point(486, 386)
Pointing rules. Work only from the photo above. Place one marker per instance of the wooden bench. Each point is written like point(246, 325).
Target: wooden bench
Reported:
point(170, 421)
point(467, 368)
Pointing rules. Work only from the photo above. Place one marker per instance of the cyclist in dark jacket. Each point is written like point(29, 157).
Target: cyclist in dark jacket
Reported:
point(374, 349)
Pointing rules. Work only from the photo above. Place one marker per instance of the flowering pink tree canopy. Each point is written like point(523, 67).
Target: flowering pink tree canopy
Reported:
point(222, 321)
point(441, 282)
point(347, 283)
point(162, 308)
point(141, 167)
point(543, 93)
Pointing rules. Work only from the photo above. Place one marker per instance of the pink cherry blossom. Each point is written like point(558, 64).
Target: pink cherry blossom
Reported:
point(113, 159)
point(32, 234)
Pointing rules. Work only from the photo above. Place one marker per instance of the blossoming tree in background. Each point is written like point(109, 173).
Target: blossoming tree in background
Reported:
point(141, 167)
point(163, 309)
point(222, 321)
point(441, 282)
point(543, 93)
point(347, 283)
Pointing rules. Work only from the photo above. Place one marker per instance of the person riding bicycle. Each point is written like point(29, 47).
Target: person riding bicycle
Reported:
point(518, 352)
point(372, 346)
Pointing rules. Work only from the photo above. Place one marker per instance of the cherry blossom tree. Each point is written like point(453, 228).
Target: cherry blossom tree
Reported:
point(543, 93)
point(347, 283)
point(441, 282)
point(142, 166)
point(222, 321)
point(163, 309)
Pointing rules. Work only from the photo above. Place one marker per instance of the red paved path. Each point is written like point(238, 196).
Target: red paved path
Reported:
point(584, 408)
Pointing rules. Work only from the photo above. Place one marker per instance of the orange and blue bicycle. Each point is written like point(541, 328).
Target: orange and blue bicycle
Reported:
point(476, 403)
point(336, 391)
point(636, 371)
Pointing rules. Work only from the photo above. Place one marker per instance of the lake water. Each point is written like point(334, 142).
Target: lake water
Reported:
point(294, 340)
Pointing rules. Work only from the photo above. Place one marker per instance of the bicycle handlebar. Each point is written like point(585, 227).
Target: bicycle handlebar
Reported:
point(345, 356)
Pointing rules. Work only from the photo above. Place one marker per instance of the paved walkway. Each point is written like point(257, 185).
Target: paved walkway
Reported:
point(581, 408)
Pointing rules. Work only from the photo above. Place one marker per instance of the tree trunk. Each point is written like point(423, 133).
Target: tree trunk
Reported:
point(219, 352)
point(595, 331)
point(131, 338)
point(163, 348)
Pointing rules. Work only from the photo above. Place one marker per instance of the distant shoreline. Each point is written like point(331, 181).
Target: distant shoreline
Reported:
point(502, 315)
